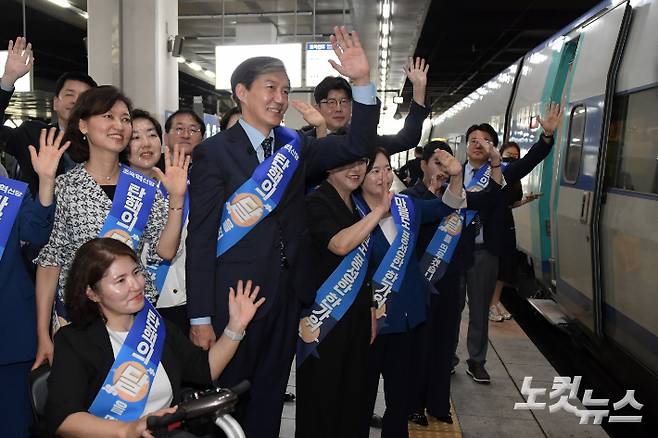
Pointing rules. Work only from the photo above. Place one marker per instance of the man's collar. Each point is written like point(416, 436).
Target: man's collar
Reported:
point(255, 136)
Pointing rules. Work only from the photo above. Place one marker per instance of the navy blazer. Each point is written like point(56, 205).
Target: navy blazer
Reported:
point(407, 308)
point(18, 323)
point(222, 164)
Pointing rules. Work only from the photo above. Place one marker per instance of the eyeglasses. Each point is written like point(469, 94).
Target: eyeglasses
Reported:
point(475, 142)
point(333, 103)
point(191, 131)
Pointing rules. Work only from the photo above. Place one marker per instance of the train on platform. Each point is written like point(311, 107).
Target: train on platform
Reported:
point(591, 239)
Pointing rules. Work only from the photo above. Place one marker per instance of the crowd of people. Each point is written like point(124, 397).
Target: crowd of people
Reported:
point(140, 260)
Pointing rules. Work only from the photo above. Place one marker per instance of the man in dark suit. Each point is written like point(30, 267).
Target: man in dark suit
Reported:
point(481, 276)
point(411, 173)
point(15, 141)
point(274, 254)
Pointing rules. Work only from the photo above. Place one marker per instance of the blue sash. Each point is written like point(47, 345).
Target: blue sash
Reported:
point(333, 298)
point(133, 200)
point(437, 256)
point(260, 194)
point(390, 273)
point(126, 388)
point(11, 197)
point(159, 271)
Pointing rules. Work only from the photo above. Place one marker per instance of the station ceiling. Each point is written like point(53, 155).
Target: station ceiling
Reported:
point(466, 42)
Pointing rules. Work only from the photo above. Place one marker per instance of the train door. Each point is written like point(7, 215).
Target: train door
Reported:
point(576, 255)
point(560, 93)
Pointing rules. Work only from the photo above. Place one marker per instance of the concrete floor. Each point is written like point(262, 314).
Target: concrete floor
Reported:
point(488, 410)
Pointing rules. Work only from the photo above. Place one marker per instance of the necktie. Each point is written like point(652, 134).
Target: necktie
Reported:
point(267, 147)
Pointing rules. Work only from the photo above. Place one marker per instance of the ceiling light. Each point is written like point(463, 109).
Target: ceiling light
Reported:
point(385, 28)
point(384, 43)
point(386, 9)
point(61, 3)
point(398, 99)
point(194, 66)
point(384, 55)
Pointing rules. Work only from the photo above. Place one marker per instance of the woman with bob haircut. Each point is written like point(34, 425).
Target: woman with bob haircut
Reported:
point(99, 129)
point(104, 299)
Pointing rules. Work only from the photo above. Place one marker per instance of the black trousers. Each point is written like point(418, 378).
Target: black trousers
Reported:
point(434, 349)
point(264, 358)
point(390, 356)
point(331, 390)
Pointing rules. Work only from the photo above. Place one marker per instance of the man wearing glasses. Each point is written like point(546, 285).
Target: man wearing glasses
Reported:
point(185, 128)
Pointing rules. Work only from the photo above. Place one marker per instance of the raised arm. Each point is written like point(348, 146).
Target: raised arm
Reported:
point(335, 150)
point(517, 170)
point(175, 181)
point(409, 136)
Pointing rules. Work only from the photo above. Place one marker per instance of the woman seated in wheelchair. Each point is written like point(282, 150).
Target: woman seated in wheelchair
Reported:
point(118, 359)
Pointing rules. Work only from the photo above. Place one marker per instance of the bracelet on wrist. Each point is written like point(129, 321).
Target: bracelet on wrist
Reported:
point(233, 336)
point(175, 208)
point(493, 167)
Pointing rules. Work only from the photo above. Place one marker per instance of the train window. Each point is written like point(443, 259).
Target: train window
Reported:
point(575, 144)
point(632, 155)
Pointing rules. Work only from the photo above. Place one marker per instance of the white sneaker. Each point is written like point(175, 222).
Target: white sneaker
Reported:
point(502, 311)
point(494, 315)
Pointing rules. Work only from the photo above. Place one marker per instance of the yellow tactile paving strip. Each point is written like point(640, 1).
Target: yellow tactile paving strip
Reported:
point(437, 429)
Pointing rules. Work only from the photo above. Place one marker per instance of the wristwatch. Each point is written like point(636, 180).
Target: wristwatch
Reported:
point(233, 336)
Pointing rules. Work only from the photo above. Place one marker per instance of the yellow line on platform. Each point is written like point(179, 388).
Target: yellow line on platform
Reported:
point(437, 429)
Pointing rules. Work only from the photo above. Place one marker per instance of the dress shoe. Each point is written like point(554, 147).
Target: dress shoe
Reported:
point(419, 419)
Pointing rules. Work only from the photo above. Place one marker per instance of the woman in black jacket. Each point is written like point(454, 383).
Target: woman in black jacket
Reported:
point(104, 292)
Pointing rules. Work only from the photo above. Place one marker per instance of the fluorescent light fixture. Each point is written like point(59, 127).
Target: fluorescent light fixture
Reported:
point(386, 10)
point(384, 43)
point(384, 55)
point(24, 83)
point(227, 58)
point(209, 73)
point(386, 27)
point(181, 60)
point(194, 66)
point(61, 3)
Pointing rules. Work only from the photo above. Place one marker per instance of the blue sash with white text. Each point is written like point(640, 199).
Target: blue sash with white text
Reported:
point(437, 255)
point(11, 197)
point(126, 388)
point(160, 271)
point(334, 298)
point(133, 200)
point(389, 275)
point(260, 194)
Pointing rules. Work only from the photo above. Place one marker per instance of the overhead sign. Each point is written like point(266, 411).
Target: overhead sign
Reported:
point(24, 83)
point(317, 62)
point(227, 58)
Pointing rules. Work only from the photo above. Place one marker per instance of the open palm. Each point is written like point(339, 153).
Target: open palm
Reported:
point(174, 177)
point(51, 149)
point(352, 57)
point(552, 118)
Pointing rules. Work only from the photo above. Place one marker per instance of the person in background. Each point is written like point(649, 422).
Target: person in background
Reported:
point(105, 298)
point(481, 277)
point(229, 118)
point(404, 313)
point(508, 264)
point(144, 155)
point(411, 173)
point(184, 128)
point(68, 87)
point(32, 224)
point(433, 355)
point(99, 130)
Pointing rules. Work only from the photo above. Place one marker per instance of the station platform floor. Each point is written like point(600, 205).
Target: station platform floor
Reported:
point(488, 410)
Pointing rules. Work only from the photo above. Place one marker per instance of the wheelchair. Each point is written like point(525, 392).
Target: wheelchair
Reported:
point(214, 403)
